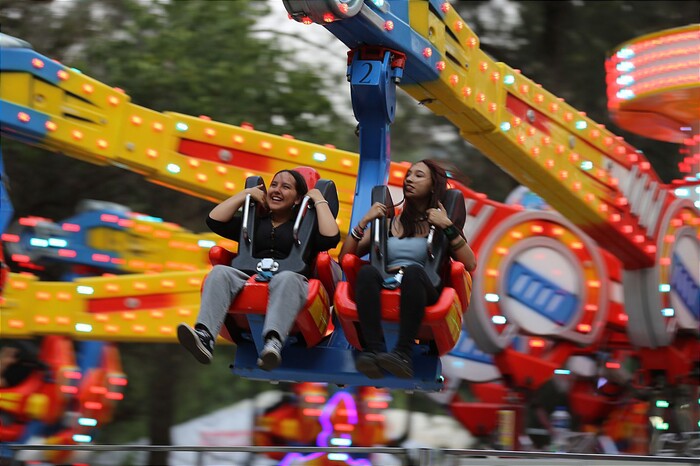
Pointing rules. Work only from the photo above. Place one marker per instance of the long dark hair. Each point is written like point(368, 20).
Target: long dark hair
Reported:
point(410, 213)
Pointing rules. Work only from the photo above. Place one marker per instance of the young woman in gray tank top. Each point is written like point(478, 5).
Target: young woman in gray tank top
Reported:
point(425, 184)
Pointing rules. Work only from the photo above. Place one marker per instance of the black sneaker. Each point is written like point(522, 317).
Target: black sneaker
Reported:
point(366, 363)
point(396, 363)
point(271, 354)
point(196, 341)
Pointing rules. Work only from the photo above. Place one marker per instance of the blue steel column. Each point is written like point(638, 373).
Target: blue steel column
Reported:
point(373, 93)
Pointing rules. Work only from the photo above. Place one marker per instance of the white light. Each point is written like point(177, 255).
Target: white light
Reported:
point(664, 287)
point(173, 168)
point(625, 94)
point(319, 157)
point(181, 126)
point(508, 79)
point(625, 66)
point(337, 456)
point(82, 289)
point(562, 371)
point(58, 243)
point(505, 126)
point(498, 320)
point(82, 438)
point(491, 297)
point(668, 312)
point(581, 124)
point(625, 53)
point(205, 243)
point(86, 421)
point(341, 442)
point(625, 80)
point(87, 328)
point(586, 165)
point(38, 242)
point(682, 192)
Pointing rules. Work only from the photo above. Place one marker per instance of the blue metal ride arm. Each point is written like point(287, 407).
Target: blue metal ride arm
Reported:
point(373, 74)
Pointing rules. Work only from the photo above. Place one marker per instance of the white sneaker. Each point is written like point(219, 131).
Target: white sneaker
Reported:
point(271, 354)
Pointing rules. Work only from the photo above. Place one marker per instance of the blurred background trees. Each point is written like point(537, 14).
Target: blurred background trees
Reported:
point(204, 58)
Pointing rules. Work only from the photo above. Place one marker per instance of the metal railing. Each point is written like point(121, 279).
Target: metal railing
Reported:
point(418, 456)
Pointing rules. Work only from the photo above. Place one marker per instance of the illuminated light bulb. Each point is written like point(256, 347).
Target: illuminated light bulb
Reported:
point(554, 107)
point(427, 52)
point(483, 66)
point(568, 116)
point(576, 245)
point(531, 131)
point(589, 197)
point(343, 7)
point(650, 249)
point(459, 25)
point(88, 88)
point(389, 25)
point(536, 229)
point(466, 91)
point(549, 163)
point(521, 139)
point(602, 207)
point(560, 149)
point(638, 238)
point(471, 42)
point(77, 135)
point(621, 201)
point(595, 133)
point(536, 343)
point(626, 229)
point(229, 186)
point(37, 63)
point(492, 273)
point(581, 124)
point(51, 126)
point(563, 174)
point(614, 218)
point(306, 20)
point(23, 117)
point(594, 283)
point(535, 151)
point(445, 7)
point(157, 127)
point(328, 17)
point(266, 145)
point(501, 251)
point(102, 144)
point(440, 66)
point(346, 163)
point(524, 89)
point(43, 296)
point(136, 120)
point(505, 126)
point(113, 101)
point(152, 153)
point(645, 165)
point(62, 75)
point(539, 98)
point(42, 320)
point(493, 107)
point(181, 126)
point(583, 328)
point(481, 97)
point(221, 170)
point(210, 132)
point(517, 121)
point(454, 79)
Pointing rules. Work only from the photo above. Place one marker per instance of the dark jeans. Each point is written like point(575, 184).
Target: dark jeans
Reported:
point(416, 293)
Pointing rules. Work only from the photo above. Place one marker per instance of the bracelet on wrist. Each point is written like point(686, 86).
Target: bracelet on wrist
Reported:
point(461, 243)
point(320, 202)
point(451, 232)
point(357, 233)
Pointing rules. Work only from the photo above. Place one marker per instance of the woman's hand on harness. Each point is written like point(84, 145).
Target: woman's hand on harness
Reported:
point(438, 217)
point(258, 195)
point(378, 210)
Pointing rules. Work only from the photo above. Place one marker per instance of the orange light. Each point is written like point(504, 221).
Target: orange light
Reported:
point(136, 120)
point(102, 144)
point(152, 153)
point(483, 66)
point(440, 65)
point(459, 25)
point(37, 63)
point(113, 101)
point(466, 91)
point(23, 117)
point(471, 42)
point(88, 88)
point(389, 25)
point(583, 328)
point(266, 145)
point(77, 135)
point(536, 343)
point(51, 126)
point(454, 79)
point(427, 52)
point(62, 75)
point(210, 132)
point(157, 127)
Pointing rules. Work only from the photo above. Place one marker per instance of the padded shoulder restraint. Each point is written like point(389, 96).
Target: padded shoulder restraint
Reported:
point(299, 259)
point(439, 247)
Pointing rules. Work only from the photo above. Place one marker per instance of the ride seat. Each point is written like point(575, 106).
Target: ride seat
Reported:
point(314, 321)
point(442, 322)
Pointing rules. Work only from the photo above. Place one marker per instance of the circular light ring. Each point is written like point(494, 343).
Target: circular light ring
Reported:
point(677, 265)
point(510, 240)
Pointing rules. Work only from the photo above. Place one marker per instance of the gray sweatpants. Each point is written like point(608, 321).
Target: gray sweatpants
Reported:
point(288, 292)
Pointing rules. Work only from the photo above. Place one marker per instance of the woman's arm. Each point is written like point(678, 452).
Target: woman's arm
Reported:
point(459, 248)
point(228, 208)
point(360, 247)
point(327, 226)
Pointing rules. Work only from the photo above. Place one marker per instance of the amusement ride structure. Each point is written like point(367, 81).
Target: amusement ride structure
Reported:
point(604, 288)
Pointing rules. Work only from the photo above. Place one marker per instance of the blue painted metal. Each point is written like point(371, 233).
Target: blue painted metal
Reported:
point(373, 90)
point(25, 61)
point(6, 209)
point(541, 295)
point(31, 132)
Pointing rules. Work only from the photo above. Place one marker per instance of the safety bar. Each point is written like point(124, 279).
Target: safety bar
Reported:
point(300, 217)
point(246, 211)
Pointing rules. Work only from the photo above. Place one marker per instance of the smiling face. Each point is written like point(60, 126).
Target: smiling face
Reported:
point(282, 193)
point(418, 183)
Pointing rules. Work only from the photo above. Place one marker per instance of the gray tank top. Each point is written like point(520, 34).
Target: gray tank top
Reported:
point(402, 252)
